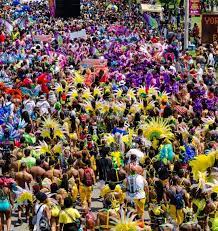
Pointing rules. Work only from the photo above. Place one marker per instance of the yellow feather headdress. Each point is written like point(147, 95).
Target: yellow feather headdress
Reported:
point(136, 107)
point(127, 139)
point(119, 93)
point(87, 95)
point(163, 96)
point(141, 92)
point(125, 222)
point(24, 196)
point(97, 91)
point(131, 94)
point(202, 162)
point(58, 88)
point(118, 108)
point(209, 120)
point(53, 124)
point(73, 94)
point(57, 148)
point(109, 139)
point(78, 78)
point(102, 106)
point(152, 91)
point(157, 128)
point(43, 148)
point(88, 107)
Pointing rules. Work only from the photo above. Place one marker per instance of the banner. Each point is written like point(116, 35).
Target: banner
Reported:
point(7, 25)
point(52, 7)
point(42, 38)
point(78, 34)
point(209, 28)
point(194, 7)
point(95, 63)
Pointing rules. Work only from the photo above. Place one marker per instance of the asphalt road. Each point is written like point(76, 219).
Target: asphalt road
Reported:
point(96, 205)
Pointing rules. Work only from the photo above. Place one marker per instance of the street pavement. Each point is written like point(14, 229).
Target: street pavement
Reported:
point(96, 205)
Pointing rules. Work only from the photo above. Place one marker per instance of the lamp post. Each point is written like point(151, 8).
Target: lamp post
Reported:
point(186, 26)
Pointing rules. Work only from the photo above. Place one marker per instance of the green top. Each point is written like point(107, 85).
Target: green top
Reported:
point(29, 161)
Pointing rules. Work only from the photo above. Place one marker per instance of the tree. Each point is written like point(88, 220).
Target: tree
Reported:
point(167, 3)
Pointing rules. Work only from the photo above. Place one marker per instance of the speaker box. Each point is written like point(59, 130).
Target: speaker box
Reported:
point(67, 8)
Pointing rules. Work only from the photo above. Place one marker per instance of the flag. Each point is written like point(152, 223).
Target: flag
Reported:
point(7, 25)
point(150, 21)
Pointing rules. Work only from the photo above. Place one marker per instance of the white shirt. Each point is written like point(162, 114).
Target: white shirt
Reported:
point(29, 106)
point(11, 107)
point(39, 215)
point(200, 73)
point(140, 184)
point(43, 107)
point(211, 60)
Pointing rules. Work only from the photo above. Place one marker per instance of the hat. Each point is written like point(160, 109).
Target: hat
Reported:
point(42, 97)
point(122, 83)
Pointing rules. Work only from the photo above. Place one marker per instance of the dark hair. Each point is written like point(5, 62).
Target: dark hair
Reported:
point(27, 152)
point(38, 162)
point(54, 188)
point(25, 116)
point(23, 166)
point(68, 202)
point(87, 162)
point(64, 182)
point(133, 157)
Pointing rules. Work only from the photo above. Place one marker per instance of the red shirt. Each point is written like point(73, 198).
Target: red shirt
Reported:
point(2, 38)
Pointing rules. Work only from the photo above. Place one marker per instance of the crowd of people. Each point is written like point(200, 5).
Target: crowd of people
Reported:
point(110, 106)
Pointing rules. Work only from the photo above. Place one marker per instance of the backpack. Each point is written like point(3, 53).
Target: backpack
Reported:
point(43, 223)
point(3, 195)
point(179, 201)
point(88, 180)
point(132, 186)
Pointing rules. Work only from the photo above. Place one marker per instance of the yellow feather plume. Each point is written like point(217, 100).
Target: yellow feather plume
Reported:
point(202, 162)
point(23, 197)
point(97, 91)
point(50, 123)
point(141, 91)
point(119, 93)
point(117, 157)
point(118, 108)
point(57, 148)
point(78, 78)
point(131, 93)
point(105, 107)
point(214, 185)
point(43, 148)
point(136, 107)
point(87, 94)
point(73, 94)
point(152, 91)
point(88, 107)
point(125, 222)
point(53, 124)
point(127, 139)
point(157, 128)
point(109, 138)
point(58, 88)
point(59, 133)
point(163, 96)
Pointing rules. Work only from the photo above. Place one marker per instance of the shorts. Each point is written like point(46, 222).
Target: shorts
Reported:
point(4, 205)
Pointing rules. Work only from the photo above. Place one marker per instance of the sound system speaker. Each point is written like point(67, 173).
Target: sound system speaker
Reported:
point(67, 8)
